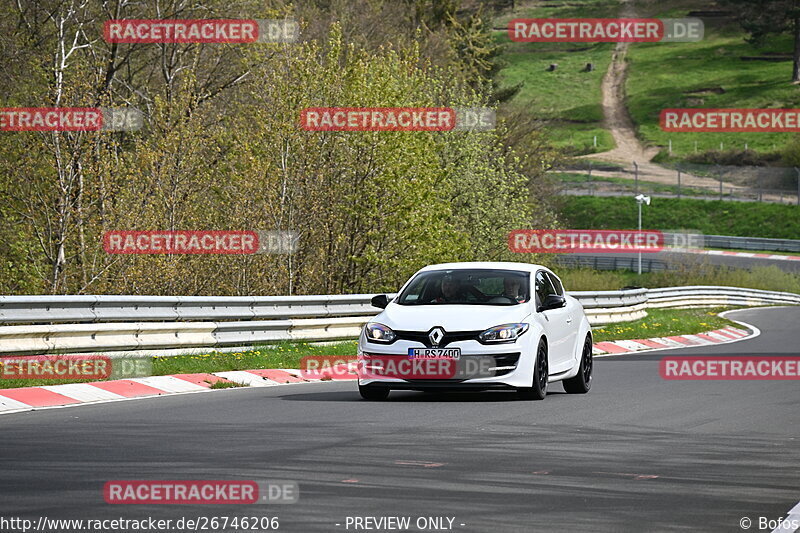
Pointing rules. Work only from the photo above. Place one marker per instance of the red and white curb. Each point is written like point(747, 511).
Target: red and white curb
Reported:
point(718, 336)
point(51, 396)
point(48, 396)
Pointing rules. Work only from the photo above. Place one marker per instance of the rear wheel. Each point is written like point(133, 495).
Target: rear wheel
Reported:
point(373, 392)
point(582, 382)
point(541, 373)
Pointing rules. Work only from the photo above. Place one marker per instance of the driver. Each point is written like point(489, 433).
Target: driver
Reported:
point(511, 288)
point(452, 290)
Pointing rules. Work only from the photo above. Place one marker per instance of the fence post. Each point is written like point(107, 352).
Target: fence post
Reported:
point(636, 175)
point(719, 176)
point(798, 184)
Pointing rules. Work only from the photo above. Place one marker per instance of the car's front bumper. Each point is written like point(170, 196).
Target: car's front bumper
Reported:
point(481, 366)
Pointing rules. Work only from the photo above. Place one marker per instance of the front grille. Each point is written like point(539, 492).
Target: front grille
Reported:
point(500, 360)
point(422, 337)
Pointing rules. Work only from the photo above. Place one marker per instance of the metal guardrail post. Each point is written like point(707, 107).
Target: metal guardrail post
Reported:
point(798, 184)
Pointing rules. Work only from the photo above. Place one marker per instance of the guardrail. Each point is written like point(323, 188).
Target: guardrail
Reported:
point(751, 243)
point(52, 309)
point(131, 323)
point(611, 263)
point(704, 296)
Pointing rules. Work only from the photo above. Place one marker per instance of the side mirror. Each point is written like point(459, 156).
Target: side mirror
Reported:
point(552, 301)
point(380, 301)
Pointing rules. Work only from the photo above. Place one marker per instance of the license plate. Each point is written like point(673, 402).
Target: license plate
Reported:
point(438, 353)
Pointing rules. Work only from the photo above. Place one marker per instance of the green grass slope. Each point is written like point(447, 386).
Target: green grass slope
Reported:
point(744, 219)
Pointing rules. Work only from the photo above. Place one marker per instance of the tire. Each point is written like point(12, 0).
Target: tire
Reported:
point(373, 393)
point(582, 382)
point(541, 371)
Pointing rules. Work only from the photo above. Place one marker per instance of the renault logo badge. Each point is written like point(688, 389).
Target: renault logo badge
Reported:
point(435, 336)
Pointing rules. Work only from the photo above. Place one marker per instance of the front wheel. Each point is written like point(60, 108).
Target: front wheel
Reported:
point(373, 393)
point(540, 375)
point(582, 382)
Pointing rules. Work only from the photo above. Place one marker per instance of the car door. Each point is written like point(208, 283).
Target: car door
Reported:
point(572, 319)
point(556, 325)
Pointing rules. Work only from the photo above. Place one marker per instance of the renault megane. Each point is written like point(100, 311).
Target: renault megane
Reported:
point(477, 326)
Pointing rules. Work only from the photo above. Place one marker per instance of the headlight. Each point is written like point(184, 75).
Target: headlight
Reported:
point(504, 333)
point(376, 332)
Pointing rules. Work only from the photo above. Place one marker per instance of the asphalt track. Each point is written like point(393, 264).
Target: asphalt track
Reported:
point(637, 453)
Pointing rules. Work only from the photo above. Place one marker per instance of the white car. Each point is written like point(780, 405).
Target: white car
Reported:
point(477, 326)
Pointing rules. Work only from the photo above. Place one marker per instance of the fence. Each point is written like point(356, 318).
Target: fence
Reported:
point(696, 192)
point(103, 324)
point(691, 180)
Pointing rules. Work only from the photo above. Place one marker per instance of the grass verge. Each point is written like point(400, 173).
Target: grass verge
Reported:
point(284, 355)
point(664, 322)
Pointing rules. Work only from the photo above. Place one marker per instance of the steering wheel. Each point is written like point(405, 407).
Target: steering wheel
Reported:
point(502, 299)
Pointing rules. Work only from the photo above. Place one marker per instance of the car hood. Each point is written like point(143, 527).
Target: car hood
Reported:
point(451, 317)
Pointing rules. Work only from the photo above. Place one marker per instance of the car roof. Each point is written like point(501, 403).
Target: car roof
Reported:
point(491, 265)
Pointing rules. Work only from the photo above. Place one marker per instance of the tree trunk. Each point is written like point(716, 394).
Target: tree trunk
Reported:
point(796, 58)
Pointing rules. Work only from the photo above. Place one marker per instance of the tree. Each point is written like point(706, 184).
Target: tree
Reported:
point(770, 17)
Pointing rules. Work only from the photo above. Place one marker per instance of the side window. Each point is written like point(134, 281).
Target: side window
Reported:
point(556, 284)
point(543, 287)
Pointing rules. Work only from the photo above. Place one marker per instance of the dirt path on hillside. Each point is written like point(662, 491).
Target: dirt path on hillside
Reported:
point(615, 113)
point(618, 121)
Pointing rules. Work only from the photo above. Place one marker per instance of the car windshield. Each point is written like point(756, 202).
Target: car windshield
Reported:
point(467, 287)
